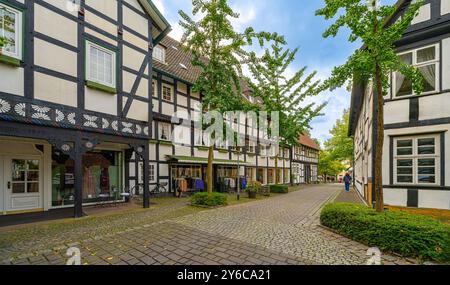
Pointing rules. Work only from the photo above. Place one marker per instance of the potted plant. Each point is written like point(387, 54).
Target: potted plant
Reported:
point(253, 189)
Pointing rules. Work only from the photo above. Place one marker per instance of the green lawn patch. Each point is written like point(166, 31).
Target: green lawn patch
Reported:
point(403, 233)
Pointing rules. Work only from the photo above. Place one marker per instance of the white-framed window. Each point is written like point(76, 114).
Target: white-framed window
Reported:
point(100, 65)
point(417, 160)
point(159, 53)
point(426, 59)
point(11, 31)
point(167, 92)
point(165, 131)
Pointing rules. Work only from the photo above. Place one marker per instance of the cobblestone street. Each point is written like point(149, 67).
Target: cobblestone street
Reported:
point(281, 230)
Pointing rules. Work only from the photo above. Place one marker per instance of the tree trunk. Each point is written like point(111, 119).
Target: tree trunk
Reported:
point(209, 171)
point(379, 200)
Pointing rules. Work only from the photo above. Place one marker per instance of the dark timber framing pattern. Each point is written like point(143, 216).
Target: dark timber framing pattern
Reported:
point(74, 137)
point(419, 35)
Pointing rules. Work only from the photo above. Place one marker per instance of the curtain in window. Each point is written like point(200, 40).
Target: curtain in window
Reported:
point(429, 74)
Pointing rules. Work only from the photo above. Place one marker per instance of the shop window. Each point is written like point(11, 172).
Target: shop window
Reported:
point(102, 178)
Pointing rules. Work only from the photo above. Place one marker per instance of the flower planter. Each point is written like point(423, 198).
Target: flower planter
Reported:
point(251, 195)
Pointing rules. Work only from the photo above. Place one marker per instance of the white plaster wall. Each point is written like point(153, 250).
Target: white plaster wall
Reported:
point(182, 150)
point(100, 23)
point(163, 151)
point(132, 58)
point(128, 82)
point(12, 79)
point(65, 30)
point(435, 106)
point(164, 170)
point(434, 199)
point(61, 5)
point(182, 100)
point(100, 101)
point(107, 7)
point(424, 14)
point(167, 109)
point(100, 36)
point(445, 7)
point(200, 153)
point(396, 112)
point(135, 4)
point(140, 43)
point(134, 21)
point(446, 60)
point(138, 111)
point(55, 58)
point(56, 90)
point(396, 197)
point(152, 151)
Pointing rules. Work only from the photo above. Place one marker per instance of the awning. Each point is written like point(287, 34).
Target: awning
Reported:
point(202, 160)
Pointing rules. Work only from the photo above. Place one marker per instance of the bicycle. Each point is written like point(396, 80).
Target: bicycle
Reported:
point(160, 188)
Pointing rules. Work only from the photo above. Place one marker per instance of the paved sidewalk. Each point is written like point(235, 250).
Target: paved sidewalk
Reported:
point(281, 230)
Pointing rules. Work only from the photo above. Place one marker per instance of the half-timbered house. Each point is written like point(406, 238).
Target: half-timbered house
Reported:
point(75, 99)
point(417, 127)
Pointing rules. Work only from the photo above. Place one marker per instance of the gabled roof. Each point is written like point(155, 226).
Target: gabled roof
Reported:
point(161, 26)
point(178, 62)
point(309, 142)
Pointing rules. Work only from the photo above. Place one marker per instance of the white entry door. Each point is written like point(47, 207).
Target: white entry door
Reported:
point(23, 183)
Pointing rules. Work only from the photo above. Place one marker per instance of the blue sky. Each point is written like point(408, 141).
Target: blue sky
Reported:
point(296, 20)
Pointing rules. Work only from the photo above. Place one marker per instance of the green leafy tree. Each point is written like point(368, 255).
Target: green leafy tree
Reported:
point(341, 145)
point(218, 50)
point(283, 94)
point(328, 166)
point(373, 25)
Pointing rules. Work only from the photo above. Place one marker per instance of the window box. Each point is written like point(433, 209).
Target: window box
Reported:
point(204, 148)
point(101, 87)
point(101, 69)
point(9, 60)
point(222, 150)
point(168, 143)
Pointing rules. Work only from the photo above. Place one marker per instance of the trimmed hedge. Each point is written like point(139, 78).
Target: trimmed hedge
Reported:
point(403, 233)
point(282, 189)
point(213, 200)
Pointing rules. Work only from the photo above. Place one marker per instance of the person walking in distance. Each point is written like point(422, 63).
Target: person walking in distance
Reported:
point(347, 181)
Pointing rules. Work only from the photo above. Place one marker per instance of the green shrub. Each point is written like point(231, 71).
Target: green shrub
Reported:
point(406, 234)
point(283, 189)
point(254, 186)
point(213, 200)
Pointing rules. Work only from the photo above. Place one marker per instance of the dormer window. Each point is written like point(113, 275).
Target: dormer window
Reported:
point(159, 54)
